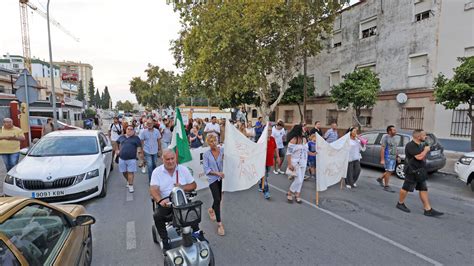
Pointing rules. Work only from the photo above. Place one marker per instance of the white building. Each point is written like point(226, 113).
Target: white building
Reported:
point(407, 43)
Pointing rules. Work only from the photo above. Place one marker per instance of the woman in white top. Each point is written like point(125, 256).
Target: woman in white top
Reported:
point(250, 131)
point(353, 170)
point(297, 156)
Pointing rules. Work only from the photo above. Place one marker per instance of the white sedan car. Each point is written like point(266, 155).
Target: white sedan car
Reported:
point(464, 167)
point(64, 166)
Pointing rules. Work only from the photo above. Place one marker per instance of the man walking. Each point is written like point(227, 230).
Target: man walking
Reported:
point(150, 138)
point(259, 128)
point(115, 131)
point(331, 134)
point(279, 133)
point(415, 175)
point(128, 145)
point(388, 156)
point(10, 138)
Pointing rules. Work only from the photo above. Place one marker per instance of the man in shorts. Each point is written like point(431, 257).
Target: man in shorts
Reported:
point(415, 175)
point(128, 145)
point(388, 156)
point(115, 131)
point(279, 133)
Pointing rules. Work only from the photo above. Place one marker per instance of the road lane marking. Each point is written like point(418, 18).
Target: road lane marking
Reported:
point(129, 196)
point(370, 232)
point(131, 236)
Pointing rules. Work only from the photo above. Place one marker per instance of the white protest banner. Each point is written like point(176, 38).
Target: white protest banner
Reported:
point(244, 160)
point(331, 160)
point(196, 169)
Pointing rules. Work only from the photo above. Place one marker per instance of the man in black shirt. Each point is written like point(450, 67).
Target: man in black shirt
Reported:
point(415, 174)
point(316, 129)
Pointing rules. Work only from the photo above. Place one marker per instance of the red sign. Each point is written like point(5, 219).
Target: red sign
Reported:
point(70, 76)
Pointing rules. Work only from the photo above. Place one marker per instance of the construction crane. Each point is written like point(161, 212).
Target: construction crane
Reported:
point(25, 32)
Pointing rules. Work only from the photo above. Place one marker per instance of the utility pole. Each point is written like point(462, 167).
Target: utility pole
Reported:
point(53, 92)
point(305, 88)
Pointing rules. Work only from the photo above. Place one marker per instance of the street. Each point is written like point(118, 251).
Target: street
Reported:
point(359, 226)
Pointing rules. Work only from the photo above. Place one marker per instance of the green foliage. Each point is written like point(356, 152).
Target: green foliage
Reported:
point(295, 92)
point(91, 92)
point(105, 98)
point(80, 92)
point(126, 106)
point(241, 47)
point(458, 90)
point(90, 112)
point(358, 90)
point(159, 89)
point(97, 102)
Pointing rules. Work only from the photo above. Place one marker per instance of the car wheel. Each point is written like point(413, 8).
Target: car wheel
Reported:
point(400, 170)
point(212, 261)
point(88, 250)
point(103, 191)
point(168, 261)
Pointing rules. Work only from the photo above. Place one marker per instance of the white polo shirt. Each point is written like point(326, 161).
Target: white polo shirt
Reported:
point(211, 126)
point(161, 178)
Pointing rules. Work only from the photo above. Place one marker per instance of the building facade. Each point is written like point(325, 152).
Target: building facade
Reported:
point(407, 43)
point(72, 73)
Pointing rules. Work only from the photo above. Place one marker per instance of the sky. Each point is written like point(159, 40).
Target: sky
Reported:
point(117, 37)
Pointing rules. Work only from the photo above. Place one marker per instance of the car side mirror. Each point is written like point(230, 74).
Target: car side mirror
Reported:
point(107, 149)
point(84, 219)
point(24, 151)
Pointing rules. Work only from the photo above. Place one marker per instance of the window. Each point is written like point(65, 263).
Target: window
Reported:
point(254, 113)
point(370, 137)
point(6, 255)
point(337, 39)
point(422, 9)
point(469, 51)
point(288, 118)
point(16, 66)
point(366, 117)
point(412, 118)
point(334, 78)
point(418, 65)
point(421, 16)
point(37, 231)
point(2, 88)
point(370, 66)
point(460, 123)
point(308, 117)
point(331, 116)
point(368, 28)
point(102, 142)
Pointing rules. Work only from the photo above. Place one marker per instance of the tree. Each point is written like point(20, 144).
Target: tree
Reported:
point(239, 46)
point(126, 106)
point(459, 90)
point(105, 99)
point(97, 102)
point(90, 93)
point(80, 92)
point(358, 90)
point(294, 94)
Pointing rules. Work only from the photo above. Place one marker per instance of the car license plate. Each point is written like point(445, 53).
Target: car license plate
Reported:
point(48, 194)
point(435, 153)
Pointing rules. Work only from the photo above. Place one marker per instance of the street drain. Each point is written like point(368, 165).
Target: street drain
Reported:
point(339, 205)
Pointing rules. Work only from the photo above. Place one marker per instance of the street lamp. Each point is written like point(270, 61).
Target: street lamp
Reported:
point(53, 92)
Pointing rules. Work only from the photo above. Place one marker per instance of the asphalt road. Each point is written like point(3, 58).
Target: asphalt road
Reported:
point(357, 227)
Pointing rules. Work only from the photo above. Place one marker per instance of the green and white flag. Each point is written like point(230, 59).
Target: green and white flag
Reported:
point(179, 140)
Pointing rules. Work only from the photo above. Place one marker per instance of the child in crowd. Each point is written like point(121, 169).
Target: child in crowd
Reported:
point(312, 155)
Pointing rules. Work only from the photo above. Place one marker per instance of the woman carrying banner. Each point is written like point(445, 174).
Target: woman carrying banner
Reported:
point(297, 156)
point(213, 163)
point(353, 169)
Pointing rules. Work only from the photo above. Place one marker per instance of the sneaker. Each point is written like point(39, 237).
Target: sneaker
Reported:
point(275, 172)
point(348, 186)
point(280, 171)
point(433, 213)
point(388, 189)
point(403, 207)
point(260, 189)
point(355, 185)
point(267, 195)
point(130, 189)
point(380, 180)
point(200, 236)
point(306, 177)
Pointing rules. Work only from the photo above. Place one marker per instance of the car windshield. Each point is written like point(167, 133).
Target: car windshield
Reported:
point(65, 146)
point(430, 139)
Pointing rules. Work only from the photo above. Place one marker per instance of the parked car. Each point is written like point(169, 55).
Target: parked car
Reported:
point(435, 159)
point(464, 167)
point(37, 122)
point(64, 166)
point(36, 233)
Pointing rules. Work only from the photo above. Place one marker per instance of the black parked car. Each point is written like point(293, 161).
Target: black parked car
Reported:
point(371, 156)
